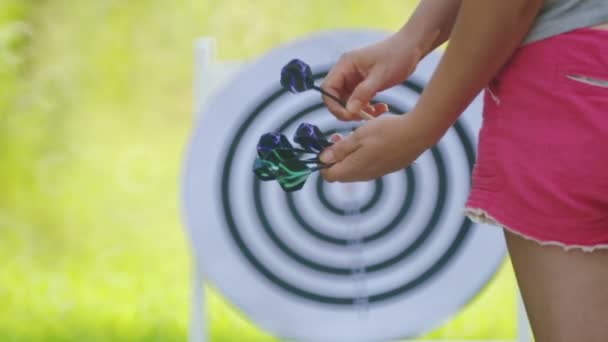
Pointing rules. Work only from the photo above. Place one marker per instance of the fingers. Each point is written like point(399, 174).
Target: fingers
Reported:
point(334, 107)
point(345, 171)
point(363, 94)
point(340, 149)
point(336, 84)
point(376, 109)
point(338, 155)
point(334, 138)
point(346, 81)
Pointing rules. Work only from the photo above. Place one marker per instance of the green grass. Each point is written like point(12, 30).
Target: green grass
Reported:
point(95, 112)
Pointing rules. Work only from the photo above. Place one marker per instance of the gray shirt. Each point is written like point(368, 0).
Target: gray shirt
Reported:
point(559, 16)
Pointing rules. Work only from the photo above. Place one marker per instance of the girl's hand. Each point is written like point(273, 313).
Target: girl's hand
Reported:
point(380, 146)
point(362, 73)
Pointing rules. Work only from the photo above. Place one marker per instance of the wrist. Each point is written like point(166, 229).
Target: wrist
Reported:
point(429, 131)
point(419, 39)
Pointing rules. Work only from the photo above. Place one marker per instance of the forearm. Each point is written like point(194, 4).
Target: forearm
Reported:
point(485, 35)
point(430, 25)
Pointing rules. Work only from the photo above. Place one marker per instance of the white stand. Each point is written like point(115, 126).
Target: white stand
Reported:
point(198, 319)
point(204, 54)
point(523, 324)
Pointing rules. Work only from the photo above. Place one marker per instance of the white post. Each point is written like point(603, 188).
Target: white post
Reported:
point(198, 324)
point(523, 324)
point(204, 54)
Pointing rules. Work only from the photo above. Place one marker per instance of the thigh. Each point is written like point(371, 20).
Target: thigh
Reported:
point(603, 26)
point(565, 292)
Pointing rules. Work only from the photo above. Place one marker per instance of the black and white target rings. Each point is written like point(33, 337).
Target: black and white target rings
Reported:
point(376, 260)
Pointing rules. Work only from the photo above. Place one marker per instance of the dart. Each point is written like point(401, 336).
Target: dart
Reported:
point(296, 77)
point(294, 174)
point(290, 174)
point(264, 169)
point(271, 143)
point(279, 160)
point(311, 138)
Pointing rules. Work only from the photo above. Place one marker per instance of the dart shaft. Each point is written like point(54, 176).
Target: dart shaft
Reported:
point(363, 114)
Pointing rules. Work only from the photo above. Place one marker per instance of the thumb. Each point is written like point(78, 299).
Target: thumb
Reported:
point(339, 150)
point(363, 93)
point(342, 165)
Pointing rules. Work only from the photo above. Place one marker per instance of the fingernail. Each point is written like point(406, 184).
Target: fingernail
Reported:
point(353, 106)
point(335, 137)
point(327, 157)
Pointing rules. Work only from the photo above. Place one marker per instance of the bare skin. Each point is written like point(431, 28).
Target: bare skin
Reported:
point(603, 26)
point(565, 293)
point(482, 39)
point(361, 73)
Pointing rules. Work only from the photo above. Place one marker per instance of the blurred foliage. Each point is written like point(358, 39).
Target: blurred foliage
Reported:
point(95, 112)
point(14, 36)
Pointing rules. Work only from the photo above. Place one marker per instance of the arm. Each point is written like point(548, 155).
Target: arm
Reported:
point(431, 24)
point(361, 73)
point(485, 35)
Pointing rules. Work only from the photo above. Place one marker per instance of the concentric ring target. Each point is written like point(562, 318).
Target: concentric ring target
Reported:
point(361, 261)
point(378, 186)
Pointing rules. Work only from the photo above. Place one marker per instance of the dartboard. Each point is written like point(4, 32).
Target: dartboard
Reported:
point(388, 258)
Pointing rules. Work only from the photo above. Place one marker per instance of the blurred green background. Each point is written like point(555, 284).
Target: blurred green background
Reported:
point(95, 113)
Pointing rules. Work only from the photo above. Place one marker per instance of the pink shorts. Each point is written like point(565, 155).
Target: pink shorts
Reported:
point(542, 167)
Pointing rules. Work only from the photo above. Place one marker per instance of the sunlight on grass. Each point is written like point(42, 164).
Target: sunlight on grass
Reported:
point(95, 113)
